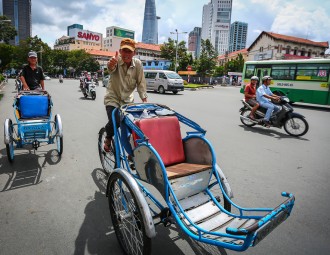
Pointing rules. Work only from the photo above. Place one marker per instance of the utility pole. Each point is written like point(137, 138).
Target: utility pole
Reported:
point(41, 50)
point(176, 48)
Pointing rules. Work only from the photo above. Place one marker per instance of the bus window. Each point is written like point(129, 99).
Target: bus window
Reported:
point(249, 71)
point(283, 72)
point(315, 72)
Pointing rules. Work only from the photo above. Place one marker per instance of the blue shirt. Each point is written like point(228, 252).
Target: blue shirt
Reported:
point(261, 91)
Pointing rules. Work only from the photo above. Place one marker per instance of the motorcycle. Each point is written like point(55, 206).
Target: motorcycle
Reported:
point(61, 80)
point(89, 89)
point(294, 123)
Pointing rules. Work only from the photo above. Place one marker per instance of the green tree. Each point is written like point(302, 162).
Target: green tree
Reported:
point(6, 55)
point(33, 44)
point(80, 60)
point(168, 51)
point(207, 60)
point(7, 31)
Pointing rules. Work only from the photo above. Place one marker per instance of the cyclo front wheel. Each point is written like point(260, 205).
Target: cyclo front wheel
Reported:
point(126, 217)
point(296, 126)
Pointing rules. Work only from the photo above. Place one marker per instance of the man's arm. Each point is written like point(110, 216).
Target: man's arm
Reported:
point(25, 86)
point(42, 83)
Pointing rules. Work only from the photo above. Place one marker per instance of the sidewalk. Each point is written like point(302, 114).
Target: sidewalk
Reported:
point(2, 84)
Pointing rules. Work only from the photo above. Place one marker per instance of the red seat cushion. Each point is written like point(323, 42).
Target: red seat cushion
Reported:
point(165, 136)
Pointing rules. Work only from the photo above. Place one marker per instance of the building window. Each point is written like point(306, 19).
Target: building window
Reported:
point(287, 51)
point(261, 49)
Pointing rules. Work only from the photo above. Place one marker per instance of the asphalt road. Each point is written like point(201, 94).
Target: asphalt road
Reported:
point(52, 205)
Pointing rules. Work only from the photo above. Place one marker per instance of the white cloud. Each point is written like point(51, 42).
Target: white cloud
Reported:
point(291, 17)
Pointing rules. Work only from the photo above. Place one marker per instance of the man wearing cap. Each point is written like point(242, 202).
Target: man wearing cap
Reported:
point(126, 75)
point(250, 95)
point(32, 75)
point(264, 97)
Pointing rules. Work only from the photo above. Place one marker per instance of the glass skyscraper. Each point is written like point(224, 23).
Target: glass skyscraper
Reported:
point(19, 12)
point(238, 35)
point(150, 23)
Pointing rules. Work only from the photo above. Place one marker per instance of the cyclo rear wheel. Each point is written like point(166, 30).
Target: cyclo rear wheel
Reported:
point(108, 159)
point(10, 146)
point(126, 217)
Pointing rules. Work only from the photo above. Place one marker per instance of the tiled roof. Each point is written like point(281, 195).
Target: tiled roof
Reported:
point(297, 39)
point(102, 53)
point(234, 53)
point(154, 47)
point(288, 38)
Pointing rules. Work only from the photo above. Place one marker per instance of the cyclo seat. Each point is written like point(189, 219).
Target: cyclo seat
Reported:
point(165, 136)
point(33, 104)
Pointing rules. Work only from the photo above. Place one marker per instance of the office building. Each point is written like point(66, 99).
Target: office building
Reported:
point(19, 12)
point(238, 35)
point(194, 42)
point(113, 37)
point(79, 39)
point(150, 23)
point(216, 21)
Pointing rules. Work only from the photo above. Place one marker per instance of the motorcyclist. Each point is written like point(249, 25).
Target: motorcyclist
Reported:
point(60, 77)
point(250, 95)
point(87, 80)
point(264, 97)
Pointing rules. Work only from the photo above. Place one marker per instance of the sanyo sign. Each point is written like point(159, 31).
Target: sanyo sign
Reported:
point(86, 35)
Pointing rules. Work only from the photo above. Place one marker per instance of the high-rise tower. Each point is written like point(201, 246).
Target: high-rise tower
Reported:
point(238, 35)
point(216, 24)
point(19, 12)
point(150, 23)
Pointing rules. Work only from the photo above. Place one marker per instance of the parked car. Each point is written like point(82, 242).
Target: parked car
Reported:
point(47, 77)
point(105, 80)
point(163, 80)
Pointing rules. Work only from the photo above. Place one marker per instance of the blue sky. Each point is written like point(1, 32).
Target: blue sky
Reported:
point(301, 18)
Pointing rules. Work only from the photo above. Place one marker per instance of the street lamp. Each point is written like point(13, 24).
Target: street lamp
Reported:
point(41, 51)
point(176, 48)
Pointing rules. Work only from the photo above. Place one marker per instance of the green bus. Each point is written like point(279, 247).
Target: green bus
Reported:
point(303, 80)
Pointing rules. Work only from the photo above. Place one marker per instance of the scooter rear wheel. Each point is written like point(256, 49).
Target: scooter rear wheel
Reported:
point(246, 121)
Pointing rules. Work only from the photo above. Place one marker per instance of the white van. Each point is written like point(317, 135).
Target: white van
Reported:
point(163, 80)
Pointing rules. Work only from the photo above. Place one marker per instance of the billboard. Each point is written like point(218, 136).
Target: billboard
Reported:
point(123, 33)
point(86, 35)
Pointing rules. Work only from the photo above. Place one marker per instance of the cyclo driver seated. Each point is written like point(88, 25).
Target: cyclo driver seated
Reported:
point(32, 78)
point(32, 75)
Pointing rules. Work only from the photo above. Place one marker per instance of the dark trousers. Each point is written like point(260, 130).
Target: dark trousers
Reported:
point(109, 125)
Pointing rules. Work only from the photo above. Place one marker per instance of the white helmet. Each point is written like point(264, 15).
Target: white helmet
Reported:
point(255, 78)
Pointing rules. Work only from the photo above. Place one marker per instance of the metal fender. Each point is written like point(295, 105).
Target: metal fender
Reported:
point(224, 182)
point(295, 114)
point(142, 203)
point(60, 126)
point(7, 125)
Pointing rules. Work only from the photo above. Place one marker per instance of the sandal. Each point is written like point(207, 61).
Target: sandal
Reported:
point(107, 145)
